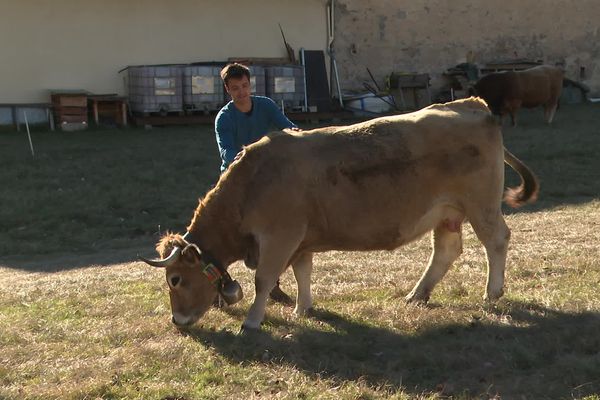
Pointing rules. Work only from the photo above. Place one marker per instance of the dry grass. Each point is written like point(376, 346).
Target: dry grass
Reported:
point(97, 326)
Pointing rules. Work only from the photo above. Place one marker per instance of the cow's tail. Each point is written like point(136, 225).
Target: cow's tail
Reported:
point(527, 192)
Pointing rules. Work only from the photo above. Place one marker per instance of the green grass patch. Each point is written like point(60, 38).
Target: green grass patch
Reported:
point(80, 318)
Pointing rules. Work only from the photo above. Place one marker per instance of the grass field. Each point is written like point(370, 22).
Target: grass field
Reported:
point(80, 318)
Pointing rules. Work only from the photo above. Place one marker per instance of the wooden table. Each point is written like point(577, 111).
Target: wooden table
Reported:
point(15, 107)
point(109, 104)
point(508, 66)
point(410, 82)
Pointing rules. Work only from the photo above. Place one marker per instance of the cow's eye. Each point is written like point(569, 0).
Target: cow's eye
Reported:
point(174, 280)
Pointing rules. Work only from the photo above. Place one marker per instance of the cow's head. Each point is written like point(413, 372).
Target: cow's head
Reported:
point(194, 282)
point(492, 89)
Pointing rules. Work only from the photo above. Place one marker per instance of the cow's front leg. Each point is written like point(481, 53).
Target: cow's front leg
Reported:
point(263, 284)
point(276, 250)
point(302, 267)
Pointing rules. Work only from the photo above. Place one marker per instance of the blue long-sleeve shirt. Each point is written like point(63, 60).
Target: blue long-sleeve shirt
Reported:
point(235, 129)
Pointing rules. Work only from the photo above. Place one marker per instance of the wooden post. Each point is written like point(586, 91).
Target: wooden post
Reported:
point(50, 116)
point(15, 118)
point(95, 111)
point(123, 113)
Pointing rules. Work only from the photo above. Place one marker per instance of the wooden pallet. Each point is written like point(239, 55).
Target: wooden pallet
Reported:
point(306, 117)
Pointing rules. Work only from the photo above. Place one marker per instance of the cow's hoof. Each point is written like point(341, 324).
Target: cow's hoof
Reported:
point(492, 297)
point(280, 296)
point(305, 312)
point(248, 330)
point(418, 299)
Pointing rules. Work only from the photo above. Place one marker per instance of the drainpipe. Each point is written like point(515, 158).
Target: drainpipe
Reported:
point(330, 50)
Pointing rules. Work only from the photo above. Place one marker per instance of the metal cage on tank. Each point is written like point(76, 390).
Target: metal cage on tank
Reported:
point(285, 85)
point(257, 81)
point(155, 88)
point(202, 87)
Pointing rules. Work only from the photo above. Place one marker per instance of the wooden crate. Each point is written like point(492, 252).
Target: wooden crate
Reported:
point(69, 100)
point(70, 108)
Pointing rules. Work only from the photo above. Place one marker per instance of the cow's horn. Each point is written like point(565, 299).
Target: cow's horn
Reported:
point(194, 247)
point(166, 262)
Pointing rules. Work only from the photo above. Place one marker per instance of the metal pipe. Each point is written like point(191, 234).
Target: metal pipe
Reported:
point(303, 61)
point(331, 51)
point(337, 83)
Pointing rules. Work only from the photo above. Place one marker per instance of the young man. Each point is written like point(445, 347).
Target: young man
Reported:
point(244, 120)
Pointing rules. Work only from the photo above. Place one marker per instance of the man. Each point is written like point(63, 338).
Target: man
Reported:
point(244, 120)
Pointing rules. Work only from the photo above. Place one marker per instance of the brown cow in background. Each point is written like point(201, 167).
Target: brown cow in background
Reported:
point(507, 91)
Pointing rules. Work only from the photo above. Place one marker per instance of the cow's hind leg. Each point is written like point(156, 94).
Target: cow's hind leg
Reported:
point(302, 267)
point(447, 246)
point(492, 231)
point(513, 118)
point(275, 255)
point(549, 111)
point(512, 107)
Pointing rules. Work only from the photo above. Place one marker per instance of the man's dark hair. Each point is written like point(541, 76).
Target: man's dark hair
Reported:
point(236, 71)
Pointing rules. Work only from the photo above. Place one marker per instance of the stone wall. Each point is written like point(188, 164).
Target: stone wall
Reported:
point(433, 35)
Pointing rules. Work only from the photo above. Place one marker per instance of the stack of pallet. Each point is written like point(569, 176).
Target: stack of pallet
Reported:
point(70, 109)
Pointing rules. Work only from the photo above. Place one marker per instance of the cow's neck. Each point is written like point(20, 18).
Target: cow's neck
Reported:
point(215, 230)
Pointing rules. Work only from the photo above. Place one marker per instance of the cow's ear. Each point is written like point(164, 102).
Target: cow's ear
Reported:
point(191, 254)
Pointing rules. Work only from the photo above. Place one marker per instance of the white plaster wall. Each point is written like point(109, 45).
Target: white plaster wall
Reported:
point(72, 44)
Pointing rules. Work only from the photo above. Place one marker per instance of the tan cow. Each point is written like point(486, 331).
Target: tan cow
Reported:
point(506, 92)
point(369, 186)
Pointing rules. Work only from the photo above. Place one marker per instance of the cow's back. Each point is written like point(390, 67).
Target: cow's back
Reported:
point(539, 85)
point(353, 187)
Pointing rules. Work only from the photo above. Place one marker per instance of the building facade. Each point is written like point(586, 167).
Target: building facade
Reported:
point(430, 36)
point(69, 44)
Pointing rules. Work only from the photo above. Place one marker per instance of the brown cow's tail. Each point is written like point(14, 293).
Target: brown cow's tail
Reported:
point(527, 192)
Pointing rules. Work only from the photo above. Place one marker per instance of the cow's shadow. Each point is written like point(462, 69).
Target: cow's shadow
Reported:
point(538, 353)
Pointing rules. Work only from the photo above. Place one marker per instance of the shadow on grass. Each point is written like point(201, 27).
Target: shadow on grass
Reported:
point(63, 262)
point(89, 196)
point(536, 353)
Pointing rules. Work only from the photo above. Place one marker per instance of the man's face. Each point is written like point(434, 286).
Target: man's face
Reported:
point(239, 89)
